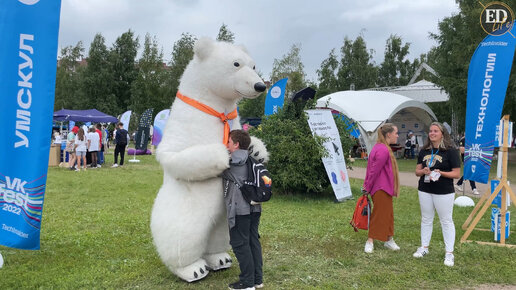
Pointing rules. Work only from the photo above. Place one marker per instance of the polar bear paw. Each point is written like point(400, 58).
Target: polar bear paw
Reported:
point(258, 151)
point(193, 272)
point(219, 261)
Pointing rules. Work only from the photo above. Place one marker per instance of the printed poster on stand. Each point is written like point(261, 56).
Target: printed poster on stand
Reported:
point(322, 124)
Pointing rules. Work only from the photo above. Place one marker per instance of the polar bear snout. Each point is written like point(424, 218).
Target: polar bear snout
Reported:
point(259, 87)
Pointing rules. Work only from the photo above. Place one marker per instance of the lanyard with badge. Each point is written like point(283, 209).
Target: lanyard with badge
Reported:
point(434, 177)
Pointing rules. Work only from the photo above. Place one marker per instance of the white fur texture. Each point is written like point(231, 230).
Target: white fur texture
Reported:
point(464, 201)
point(188, 222)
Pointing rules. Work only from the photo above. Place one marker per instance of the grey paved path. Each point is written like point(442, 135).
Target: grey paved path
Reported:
point(410, 179)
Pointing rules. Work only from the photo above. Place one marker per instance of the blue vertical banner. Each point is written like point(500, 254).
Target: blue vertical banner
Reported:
point(488, 76)
point(275, 97)
point(28, 59)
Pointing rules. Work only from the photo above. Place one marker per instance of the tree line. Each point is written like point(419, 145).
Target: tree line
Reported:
point(115, 80)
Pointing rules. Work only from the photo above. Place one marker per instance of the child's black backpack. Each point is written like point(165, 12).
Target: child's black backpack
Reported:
point(258, 186)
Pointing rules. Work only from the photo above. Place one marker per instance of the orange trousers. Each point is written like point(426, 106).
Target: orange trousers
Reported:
point(381, 224)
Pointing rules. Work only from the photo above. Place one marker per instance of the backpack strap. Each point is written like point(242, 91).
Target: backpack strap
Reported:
point(251, 172)
point(231, 177)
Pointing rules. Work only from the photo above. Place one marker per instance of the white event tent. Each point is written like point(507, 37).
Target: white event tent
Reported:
point(423, 91)
point(370, 109)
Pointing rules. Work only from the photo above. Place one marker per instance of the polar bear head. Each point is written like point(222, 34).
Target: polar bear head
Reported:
point(220, 69)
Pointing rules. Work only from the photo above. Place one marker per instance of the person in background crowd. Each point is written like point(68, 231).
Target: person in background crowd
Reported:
point(459, 186)
point(70, 147)
point(413, 143)
point(81, 143)
point(121, 138)
point(408, 146)
point(93, 146)
point(105, 138)
point(437, 165)
point(382, 183)
point(100, 156)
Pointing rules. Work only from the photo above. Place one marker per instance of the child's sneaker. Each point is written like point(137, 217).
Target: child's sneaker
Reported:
point(475, 192)
point(368, 247)
point(114, 165)
point(391, 245)
point(459, 187)
point(259, 286)
point(449, 259)
point(421, 252)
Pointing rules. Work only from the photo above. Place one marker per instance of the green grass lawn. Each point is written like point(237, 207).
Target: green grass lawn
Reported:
point(95, 234)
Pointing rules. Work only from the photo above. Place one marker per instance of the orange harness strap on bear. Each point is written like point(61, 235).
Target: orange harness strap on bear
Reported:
point(209, 110)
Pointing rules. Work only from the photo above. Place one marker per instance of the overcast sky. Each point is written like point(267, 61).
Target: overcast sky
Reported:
point(267, 28)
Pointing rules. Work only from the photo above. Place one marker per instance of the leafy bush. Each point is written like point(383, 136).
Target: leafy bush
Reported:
point(295, 155)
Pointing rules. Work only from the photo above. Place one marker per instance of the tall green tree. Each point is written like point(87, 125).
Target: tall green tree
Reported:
point(68, 92)
point(327, 75)
point(291, 66)
point(182, 54)
point(225, 34)
point(123, 64)
point(396, 69)
point(147, 90)
point(356, 65)
point(97, 79)
point(457, 38)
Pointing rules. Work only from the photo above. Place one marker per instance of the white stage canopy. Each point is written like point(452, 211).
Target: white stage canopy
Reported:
point(423, 91)
point(370, 109)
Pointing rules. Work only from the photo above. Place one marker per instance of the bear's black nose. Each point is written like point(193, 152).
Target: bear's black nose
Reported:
point(259, 87)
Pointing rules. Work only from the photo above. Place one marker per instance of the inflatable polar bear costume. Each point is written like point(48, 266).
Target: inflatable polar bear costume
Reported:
point(188, 222)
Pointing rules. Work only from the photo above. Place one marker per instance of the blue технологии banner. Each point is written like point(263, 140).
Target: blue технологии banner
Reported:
point(488, 76)
point(275, 97)
point(28, 61)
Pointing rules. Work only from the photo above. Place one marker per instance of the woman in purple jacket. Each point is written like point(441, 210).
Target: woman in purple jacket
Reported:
point(382, 182)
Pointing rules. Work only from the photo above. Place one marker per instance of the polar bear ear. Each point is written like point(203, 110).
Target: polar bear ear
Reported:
point(203, 47)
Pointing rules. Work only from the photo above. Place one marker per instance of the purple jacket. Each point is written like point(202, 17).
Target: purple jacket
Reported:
point(379, 174)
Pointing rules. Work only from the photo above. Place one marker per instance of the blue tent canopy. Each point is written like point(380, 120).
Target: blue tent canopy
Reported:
point(91, 115)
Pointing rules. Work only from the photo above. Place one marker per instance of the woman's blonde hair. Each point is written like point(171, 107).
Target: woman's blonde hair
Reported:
point(80, 134)
point(382, 135)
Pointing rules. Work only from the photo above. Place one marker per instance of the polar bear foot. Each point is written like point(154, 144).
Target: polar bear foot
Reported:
point(218, 261)
point(193, 272)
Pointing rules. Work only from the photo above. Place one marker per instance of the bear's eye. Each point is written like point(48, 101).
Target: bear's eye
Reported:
point(236, 64)
point(254, 67)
